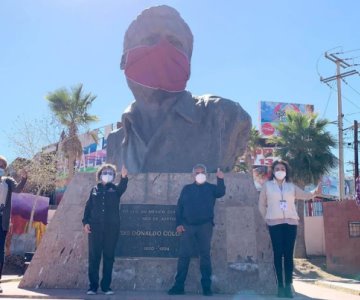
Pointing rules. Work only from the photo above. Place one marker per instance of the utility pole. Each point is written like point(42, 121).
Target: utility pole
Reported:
point(340, 63)
point(356, 154)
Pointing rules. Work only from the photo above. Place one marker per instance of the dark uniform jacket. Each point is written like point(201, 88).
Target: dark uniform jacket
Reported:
point(13, 186)
point(196, 203)
point(103, 203)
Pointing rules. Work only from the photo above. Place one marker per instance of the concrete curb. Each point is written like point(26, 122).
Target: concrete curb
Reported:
point(10, 280)
point(338, 286)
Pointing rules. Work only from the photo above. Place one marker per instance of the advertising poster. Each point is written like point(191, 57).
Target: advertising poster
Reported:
point(273, 113)
point(264, 157)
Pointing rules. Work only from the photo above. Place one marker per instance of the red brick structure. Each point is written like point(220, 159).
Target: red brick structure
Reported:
point(342, 236)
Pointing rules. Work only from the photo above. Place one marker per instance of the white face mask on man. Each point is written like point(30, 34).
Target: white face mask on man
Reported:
point(2, 172)
point(200, 178)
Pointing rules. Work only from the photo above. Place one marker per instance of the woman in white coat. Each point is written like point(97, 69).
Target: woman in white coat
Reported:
point(277, 206)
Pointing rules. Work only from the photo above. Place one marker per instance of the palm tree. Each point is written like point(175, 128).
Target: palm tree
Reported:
point(250, 152)
point(253, 144)
point(306, 145)
point(71, 110)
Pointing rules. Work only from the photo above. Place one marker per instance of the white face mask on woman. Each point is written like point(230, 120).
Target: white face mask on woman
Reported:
point(200, 178)
point(280, 175)
point(107, 176)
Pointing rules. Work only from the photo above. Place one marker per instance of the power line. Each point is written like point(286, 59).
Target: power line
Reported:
point(357, 106)
point(342, 95)
point(355, 113)
point(352, 58)
point(350, 122)
point(327, 102)
point(357, 92)
point(340, 63)
point(343, 52)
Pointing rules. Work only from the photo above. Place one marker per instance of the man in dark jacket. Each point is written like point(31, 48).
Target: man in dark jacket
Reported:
point(7, 186)
point(195, 220)
point(102, 223)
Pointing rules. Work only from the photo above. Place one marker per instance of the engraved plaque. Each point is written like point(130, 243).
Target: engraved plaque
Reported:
point(147, 230)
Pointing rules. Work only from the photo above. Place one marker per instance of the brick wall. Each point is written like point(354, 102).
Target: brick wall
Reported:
point(342, 252)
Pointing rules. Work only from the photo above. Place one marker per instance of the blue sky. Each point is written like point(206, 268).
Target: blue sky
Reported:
point(246, 51)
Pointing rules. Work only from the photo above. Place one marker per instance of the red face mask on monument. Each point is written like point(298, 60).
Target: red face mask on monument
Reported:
point(161, 66)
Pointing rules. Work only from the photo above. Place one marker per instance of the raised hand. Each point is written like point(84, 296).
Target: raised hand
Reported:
point(219, 174)
point(124, 171)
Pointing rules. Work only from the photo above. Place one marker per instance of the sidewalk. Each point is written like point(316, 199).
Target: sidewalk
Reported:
point(305, 289)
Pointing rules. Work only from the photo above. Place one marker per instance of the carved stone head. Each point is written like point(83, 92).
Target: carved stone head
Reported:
point(157, 50)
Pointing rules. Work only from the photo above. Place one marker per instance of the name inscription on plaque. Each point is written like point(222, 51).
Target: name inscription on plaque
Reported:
point(147, 230)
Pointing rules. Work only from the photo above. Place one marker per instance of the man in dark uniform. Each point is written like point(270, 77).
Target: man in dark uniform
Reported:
point(195, 220)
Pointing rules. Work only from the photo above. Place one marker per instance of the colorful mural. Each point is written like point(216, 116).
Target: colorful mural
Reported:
point(94, 154)
point(23, 205)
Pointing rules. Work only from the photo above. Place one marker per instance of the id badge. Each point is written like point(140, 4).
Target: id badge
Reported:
point(283, 205)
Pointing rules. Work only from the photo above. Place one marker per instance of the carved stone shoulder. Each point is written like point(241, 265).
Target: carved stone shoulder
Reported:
point(114, 146)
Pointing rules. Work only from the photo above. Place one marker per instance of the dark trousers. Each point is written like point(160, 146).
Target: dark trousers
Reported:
point(102, 242)
point(195, 237)
point(283, 240)
point(3, 234)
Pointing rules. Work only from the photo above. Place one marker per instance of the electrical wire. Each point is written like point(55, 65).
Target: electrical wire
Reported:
point(343, 52)
point(347, 120)
point(348, 84)
point(327, 104)
point(342, 95)
point(351, 58)
point(355, 113)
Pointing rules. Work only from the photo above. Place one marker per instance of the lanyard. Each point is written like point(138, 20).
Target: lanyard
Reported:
point(282, 203)
point(281, 190)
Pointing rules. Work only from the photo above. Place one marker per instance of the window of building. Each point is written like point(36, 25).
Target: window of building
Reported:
point(354, 229)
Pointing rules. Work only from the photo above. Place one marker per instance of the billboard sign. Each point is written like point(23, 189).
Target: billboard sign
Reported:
point(273, 113)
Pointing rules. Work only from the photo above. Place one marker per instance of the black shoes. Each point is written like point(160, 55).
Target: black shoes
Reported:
point(281, 292)
point(176, 291)
point(207, 292)
point(288, 291)
point(180, 291)
point(285, 292)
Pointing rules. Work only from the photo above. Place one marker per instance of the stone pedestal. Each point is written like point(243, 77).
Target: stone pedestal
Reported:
point(241, 249)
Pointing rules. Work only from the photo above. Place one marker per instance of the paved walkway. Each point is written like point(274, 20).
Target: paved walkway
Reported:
point(319, 290)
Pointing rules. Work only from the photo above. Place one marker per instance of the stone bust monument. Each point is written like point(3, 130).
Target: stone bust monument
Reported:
point(166, 128)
